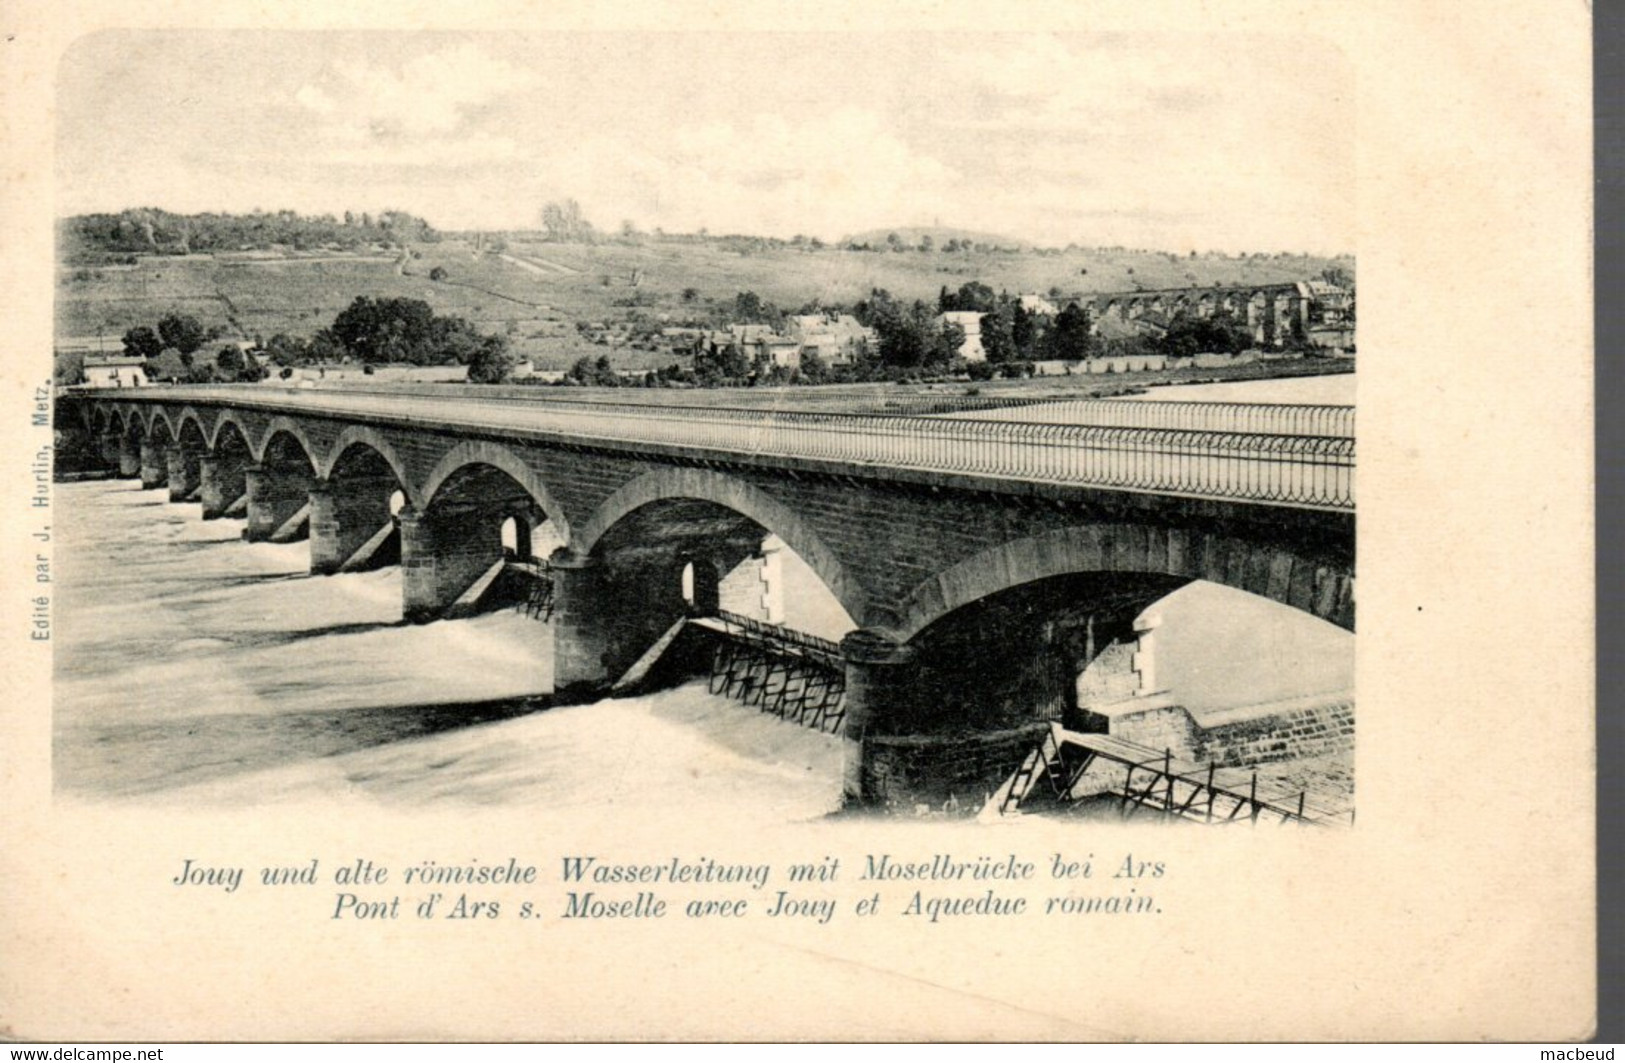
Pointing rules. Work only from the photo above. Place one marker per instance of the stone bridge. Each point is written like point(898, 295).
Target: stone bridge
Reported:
point(982, 565)
point(1272, 312)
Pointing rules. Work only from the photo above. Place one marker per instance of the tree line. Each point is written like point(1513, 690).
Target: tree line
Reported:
point(369, 331)
point(148, 230)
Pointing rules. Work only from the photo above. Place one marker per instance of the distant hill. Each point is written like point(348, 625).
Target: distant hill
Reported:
point(536, 291)
point(940, 235)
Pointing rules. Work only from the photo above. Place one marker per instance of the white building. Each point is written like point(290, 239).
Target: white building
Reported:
point(1037, 304)
point(971, 321)
point(114, 371)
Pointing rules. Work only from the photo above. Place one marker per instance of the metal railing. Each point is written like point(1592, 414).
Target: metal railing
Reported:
point(1314, 471)
point(1253, 417)
point(1257, 417)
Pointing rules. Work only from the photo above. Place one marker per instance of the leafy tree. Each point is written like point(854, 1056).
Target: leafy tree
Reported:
point(324, 347)
point(996, 334)
point(944, 342)
point(901, 334)
point(68, 368)
point(438, 273)
point(1023, 331)
point(167, 365)
point(594, 373)
point(867, 310)
point(973, 295)
point(1189, 335)
point(493, 362)
point(813, 369)
point(230, 362)
point(565, 223)
point(182, 332)
point(1069, 338)
point(284, 349)
point(752, 308)
point(1338, 276)
point(142, 342)
point(717, 364)
point(381, 330)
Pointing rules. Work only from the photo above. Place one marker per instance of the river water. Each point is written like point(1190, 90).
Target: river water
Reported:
point(196, 669)
point(1336, 389)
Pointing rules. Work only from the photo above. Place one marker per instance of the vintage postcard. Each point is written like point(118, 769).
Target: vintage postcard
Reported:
point(695, 522)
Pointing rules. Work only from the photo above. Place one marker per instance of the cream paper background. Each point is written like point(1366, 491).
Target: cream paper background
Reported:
point(1461, 907)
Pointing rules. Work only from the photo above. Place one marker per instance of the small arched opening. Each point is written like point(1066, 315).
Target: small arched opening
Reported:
point(488, 537)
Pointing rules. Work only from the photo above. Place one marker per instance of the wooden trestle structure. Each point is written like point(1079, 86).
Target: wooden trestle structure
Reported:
point(787, 673)
point(1069, 767)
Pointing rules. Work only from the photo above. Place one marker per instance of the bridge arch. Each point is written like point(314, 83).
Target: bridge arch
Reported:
point(231, 436)
point(481, 452)
point(287, 427)
point(189, 434)
point(708, 485)
point(158, 414)
point(239, 428)
point(372, 439)
point(1268, 570)
point(189, 426)
point(159, 431)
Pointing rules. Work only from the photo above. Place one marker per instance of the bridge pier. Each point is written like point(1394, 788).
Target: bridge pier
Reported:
point(580, 633)
point(880, 672)
point(275, 495)
point(185, 472)
point(443, 552)
point(112, 444)
point(222, 480)
point(129, 458)
point(154, 470)
point(344, 515)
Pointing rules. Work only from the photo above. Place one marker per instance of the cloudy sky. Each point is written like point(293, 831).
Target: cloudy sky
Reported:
point(1174, 142)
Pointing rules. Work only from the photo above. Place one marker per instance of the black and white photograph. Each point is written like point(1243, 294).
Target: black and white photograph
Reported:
point(884, 444)
point(840, 524)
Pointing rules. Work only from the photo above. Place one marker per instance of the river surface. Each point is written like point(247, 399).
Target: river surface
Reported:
point(195, 669)
point(1335, 389)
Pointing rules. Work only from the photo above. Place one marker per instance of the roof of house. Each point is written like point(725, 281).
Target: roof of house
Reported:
point(969, 320)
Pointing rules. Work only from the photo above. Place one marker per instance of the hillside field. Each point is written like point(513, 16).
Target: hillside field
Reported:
point(536, 291)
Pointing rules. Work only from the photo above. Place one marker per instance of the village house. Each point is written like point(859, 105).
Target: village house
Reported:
point(114, 371)
point(971, 321)
point(837, 339)
point(1037, 304)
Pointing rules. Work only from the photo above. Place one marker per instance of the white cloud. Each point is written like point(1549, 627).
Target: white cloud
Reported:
point(426, 99)
point(824, 174)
